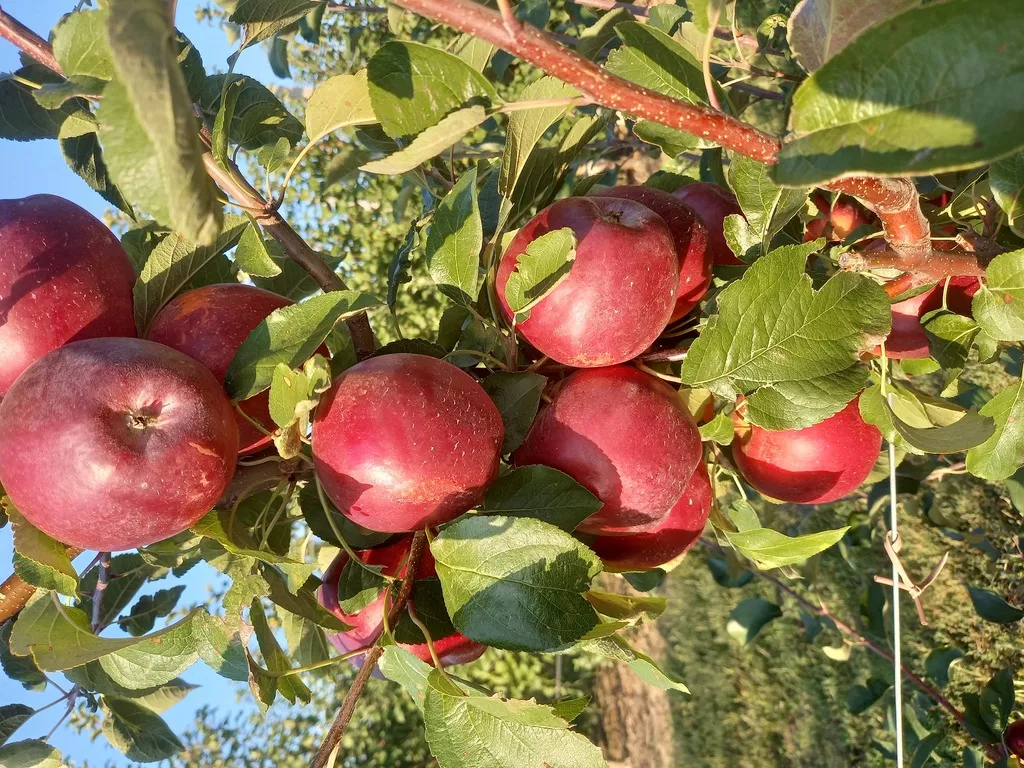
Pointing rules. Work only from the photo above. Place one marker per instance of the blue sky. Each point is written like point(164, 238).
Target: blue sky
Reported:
point(37, 167)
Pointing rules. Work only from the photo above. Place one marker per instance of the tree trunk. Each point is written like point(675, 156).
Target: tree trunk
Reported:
point(635, 716)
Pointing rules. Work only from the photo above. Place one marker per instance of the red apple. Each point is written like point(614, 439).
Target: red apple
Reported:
point(845, 216)
point(1013, 737)
point(403, 442)
point(112, 444)
point(668, 539)
point(815, 465)
point(907, 338)
point(626, 437)
point(367, 623)
point(210, 324)
point(689, 235)
point(712, 204)
point(620, 293)
point(63, 277)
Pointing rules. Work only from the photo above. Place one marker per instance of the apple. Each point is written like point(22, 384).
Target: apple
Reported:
point(63, 277)
point(403, 442)
point(367, 623)
point(907, 338)
point(113, 444)
point(842, 217)
point(625, 436)
point(1013, 737)
point(209, 324)
point(815, 465)
point(620, 293)
point(668, 539)
point(712, 204)
point(689, 235)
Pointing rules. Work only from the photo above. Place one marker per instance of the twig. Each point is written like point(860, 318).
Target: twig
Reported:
point(612, 5)
point(28, 41)
point(348, 706)
point(936, 265)
point(97, 594)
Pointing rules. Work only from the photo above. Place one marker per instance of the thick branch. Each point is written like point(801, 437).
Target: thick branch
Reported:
point(894, 200)
point(935, 266)
point(348, 707)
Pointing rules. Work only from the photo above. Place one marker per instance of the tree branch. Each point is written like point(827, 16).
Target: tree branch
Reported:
point(894, 200)
point(937, 265)
point(26, 40)
point(348, 706)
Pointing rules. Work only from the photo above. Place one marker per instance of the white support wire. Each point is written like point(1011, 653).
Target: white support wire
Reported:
point(897, 663)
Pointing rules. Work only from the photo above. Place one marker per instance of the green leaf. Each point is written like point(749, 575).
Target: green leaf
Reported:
point(12, 716)
point(262, 19)
point(618, 648)
point(21, 117)
point(570, 709)
point(289, 335)
point(125, 577)
point(32, 753)
point(719, 430)
point(526, 127)
point(220, 525)
point(293, 396)
point(252, 255)
point(517, 396)
point(430, 143)
point(997, 306)
point(258, 117)
point(474, 51)
point(413, 86)
point(1006, 178)
point(400, 666)
point(645, 581)
point(542, 493)
point(316, 516)
point(766, 206)
point(290, 686)
point(172, 263)
point(137, 731)
point(939, 662)
point(39, 560)
point(991, 607)
point(147, 126)
point(636, 608)
point(274, 157)
point(515, 583)
point(861, 697)
point(750, 617)
point(475, 731)
point(59, 638)
point(301, 602)
point(819, 29)
point(143, 615)
point(338, 102)
point(770, 549)
point(539, 269)
point(80, 145)
point(454, 242)
point(972, 430)
point(925, 749)
point(1000, 455)
point(359, 585)
point(306, 640)
point(220, 649)
point(799, 404)
point(54, 95)
point(222, 122)
point(20, 668)
point(950, 337)
point(91, 677)
point(343, 164)
point(852, 117)
point(80, 45)
point(773, 329)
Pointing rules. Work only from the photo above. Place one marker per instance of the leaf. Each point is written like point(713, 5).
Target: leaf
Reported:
point(138, 732)
point(1000, 455)
point(32, 753)
point(626, 607)
point(258, 117)
point(925, 749)
point(861, 697)
point(719, 430)
point(1006, 178)
point(80, 145)
point(80, 45)
point(21, 117)
point(766, 207)
point(539, 269)
point(40, 560)
point(54, 95)
point(172, 263)
point(20, 668)
point(646, 581)
point(852, 117)
point(770, 549)
point(413, 86)
point(570, 709)
point(12, 716)
point(338, 102)
point(359, 585)
point(301, 602)
point(293, 396)
point(799, 404)
point(289, 335)
point(316, 516)
point(454, 242)
point(973, 429)
point(220, 525)
point(290, 686)
point(991, 607)
point(221, 650)
point(819, 29)
point(59, 638)
point(526, 127)
point(774, 329)
point(515, 583)
point(997, 305)
point(147, 126)
point(517, 396)
point(949, 339)
point(643, 666)
point(143, 615)
point(475, 731)
point(750, 617)
point(400, 666)
point(342, 165)
point(262, 19)
point(91, 677)
point(430, 143)
point(542, 493)
point(940, 661)
point(125, 577)
point(305, 639)
point(252, 255)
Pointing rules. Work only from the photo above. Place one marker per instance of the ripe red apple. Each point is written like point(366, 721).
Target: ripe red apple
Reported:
point(907, 338)
point(367, 623)
point(620, 293)
point(112, 444)
point(405, 441)
point(1013, 737)
point(712, 204)
point(815, 465)
point(63, 277)
point(839, 219)
point(210, 324)
point(626, 437)
point(668, 539)
point(690, 237)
